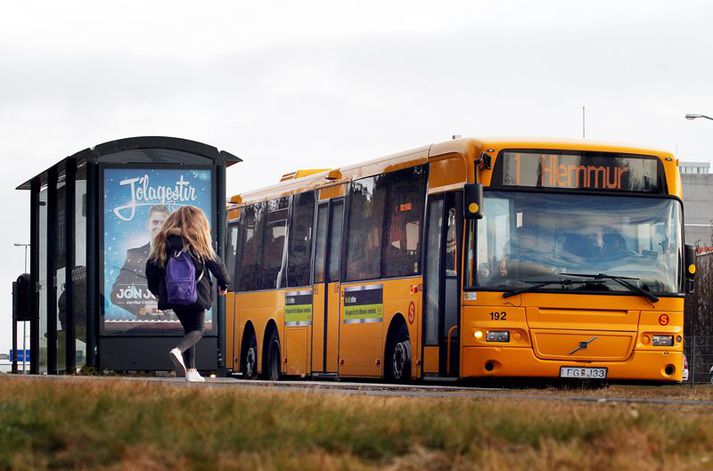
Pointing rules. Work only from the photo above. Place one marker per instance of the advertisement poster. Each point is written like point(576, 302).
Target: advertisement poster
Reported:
point(298, 308)
point(364, 304)
point(136, 202)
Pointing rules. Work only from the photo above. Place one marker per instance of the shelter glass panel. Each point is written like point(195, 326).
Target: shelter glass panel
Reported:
point(43, 281)
point(79, 272)
point(61, 275)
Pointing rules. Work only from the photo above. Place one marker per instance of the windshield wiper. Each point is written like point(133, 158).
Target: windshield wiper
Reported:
point(622, 280)
point(540, 284)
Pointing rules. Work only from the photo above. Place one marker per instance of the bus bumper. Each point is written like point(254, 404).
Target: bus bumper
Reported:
point(521, 362)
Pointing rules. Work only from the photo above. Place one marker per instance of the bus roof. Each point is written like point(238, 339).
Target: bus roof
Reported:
point(466, 148)
point(499, 143)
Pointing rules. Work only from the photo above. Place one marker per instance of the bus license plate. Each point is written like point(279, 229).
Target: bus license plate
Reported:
point(572, 372)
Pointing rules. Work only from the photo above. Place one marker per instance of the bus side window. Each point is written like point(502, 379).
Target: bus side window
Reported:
point(365, 229)
point(231, 245)
point(451, 261)
point(335, 243)
point(300, 244)
point(402, 244)
point(252, 223)
point(320, 249)
point(273, 242)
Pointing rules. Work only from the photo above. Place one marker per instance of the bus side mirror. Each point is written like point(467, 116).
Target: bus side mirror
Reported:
point(473, 201)
point(689, 258)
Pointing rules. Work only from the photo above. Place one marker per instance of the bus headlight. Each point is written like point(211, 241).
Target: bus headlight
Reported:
point(498, 336)
point(662, 341)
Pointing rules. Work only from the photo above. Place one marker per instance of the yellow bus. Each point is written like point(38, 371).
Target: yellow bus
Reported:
point(468, 258)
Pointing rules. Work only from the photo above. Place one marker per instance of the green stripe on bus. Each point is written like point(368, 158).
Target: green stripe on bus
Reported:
point(364, 311)
point(298, 313)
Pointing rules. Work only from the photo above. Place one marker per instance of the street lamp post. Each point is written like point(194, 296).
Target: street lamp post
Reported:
point(692, 116)
point(24, 323)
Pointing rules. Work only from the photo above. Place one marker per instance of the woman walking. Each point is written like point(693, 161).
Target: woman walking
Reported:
point(178, 273)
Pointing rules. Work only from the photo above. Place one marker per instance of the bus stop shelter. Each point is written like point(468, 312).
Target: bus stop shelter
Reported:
point(92, 218)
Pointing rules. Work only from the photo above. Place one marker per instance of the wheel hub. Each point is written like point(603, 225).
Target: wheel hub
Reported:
point(399, 358)
point(250, 363)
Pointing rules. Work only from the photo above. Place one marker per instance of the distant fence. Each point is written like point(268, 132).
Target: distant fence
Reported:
point(699, 351)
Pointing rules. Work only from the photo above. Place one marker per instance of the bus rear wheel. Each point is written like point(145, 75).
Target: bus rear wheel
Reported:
point(249, 360)
point(398, 356)
point(274, 358)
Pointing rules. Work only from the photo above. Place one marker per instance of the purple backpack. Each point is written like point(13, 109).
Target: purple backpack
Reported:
point(181, 282)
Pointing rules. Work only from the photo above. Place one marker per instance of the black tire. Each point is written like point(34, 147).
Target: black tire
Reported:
point(248, 361)
point(397, 361)
point(271, 368)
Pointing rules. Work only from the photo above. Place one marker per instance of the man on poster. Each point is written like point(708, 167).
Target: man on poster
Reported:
point(130, 289)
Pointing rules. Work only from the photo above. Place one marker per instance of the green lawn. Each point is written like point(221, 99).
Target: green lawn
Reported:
point(118, 424)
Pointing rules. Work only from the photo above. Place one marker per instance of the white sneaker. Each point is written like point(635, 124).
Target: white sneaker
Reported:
point(193, 376)
point(177, 359)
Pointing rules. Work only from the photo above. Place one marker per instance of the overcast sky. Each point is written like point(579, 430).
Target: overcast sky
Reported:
point(322, 84)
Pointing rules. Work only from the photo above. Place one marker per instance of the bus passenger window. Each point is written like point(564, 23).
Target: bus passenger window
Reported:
point(273, 242)
point(403, 241)
point(335, 242)
point(451, 261)
point(231, 245)
point(252, 222)
point(320, 249)
point(300, 246)
point(366, 220)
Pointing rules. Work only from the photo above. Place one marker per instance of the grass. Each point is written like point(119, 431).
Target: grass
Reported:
point(117, 424)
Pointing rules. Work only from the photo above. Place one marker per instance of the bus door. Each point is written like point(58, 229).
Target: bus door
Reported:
point(441, 285)
point(328, 243)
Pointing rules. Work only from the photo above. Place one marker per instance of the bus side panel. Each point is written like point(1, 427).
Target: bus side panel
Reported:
point(362, 329)
point(259, 307)
point(333, 326)
point(296, 326)
point(317, 351)
point(296, 350)
point(402, 297)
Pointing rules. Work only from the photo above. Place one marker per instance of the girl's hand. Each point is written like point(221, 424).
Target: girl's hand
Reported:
point(221, 291)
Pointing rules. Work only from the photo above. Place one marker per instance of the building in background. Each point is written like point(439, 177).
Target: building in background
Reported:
point(697, 184)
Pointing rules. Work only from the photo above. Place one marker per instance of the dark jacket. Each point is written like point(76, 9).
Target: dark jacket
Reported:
point(155, 276)
point(132, 273)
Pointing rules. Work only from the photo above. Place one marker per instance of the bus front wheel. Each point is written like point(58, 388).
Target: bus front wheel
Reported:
point(398, 356)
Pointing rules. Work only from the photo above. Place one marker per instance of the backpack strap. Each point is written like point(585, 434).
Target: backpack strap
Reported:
point(185, 249)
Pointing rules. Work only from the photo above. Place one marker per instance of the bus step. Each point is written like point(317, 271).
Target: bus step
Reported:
point(449, 379)
point(325, 376)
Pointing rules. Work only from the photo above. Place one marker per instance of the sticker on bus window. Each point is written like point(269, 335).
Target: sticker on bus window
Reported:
point(298, 308)
point(364, 304)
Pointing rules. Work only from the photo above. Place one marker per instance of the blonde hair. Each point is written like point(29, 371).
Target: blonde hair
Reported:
point(191, 224)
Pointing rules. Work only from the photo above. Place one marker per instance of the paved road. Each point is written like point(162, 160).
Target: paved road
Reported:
point(419, 390)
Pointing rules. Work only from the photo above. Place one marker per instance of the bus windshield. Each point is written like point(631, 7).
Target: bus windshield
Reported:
point(526, 238)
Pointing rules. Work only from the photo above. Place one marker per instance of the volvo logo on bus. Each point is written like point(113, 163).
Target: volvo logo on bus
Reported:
point(583, 345)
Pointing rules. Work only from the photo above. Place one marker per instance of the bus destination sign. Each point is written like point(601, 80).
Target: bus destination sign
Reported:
point(578, 171)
